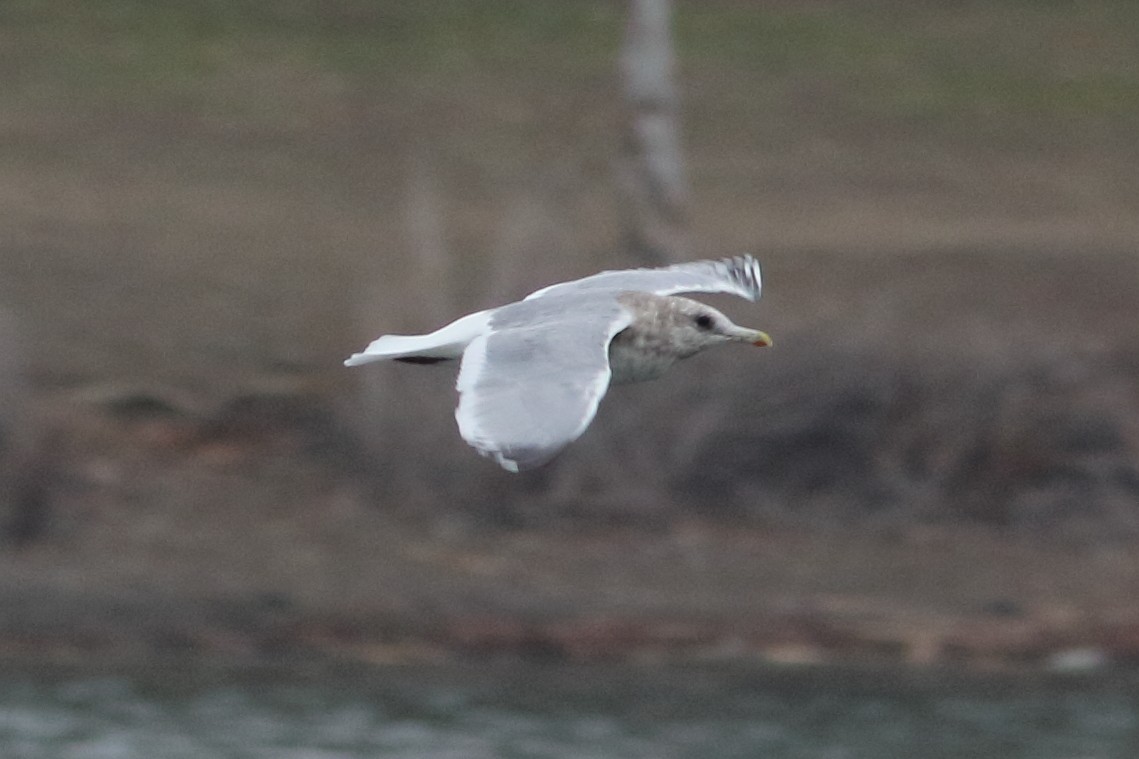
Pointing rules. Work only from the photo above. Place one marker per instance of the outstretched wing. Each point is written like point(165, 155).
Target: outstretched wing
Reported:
point(736, 276)
point(530, 385)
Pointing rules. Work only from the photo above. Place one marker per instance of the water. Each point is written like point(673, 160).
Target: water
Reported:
point(558, 712)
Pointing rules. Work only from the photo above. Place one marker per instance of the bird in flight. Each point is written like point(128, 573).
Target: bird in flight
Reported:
point(533, 372)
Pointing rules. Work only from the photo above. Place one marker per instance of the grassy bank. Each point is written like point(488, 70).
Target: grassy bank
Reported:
point(925, 61)
point(205, 206)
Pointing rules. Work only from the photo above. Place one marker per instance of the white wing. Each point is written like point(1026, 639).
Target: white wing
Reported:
point(735, 276)
point(530, 385)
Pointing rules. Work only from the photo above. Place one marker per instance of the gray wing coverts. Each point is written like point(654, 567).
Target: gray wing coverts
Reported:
point(531, 385)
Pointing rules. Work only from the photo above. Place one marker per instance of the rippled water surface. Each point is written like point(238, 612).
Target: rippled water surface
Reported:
point(555, 712)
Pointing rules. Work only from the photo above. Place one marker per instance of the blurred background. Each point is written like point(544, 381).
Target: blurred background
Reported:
point(205, 206)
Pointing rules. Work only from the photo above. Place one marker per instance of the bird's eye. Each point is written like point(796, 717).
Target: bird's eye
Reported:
point(703, 321)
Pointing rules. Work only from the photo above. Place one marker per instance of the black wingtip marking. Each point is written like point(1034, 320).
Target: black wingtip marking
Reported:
point(421, 359)
point(744, 270)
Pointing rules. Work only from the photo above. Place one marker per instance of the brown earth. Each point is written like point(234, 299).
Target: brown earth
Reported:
point(835, 521)
point(937, 463)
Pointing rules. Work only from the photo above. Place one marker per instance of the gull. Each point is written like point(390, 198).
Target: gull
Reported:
point(533, 372)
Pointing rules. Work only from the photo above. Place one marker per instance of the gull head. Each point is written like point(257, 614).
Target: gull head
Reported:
point(667, 328)
point(692, 326)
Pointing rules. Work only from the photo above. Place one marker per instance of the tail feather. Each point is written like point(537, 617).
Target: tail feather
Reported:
point(391, 347)
point(445, 343)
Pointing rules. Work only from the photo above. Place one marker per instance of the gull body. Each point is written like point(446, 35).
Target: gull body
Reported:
point(533, 372)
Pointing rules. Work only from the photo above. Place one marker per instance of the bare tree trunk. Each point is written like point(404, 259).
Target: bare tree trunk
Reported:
point(27, 458)
point(424, 215)
point(650, 170)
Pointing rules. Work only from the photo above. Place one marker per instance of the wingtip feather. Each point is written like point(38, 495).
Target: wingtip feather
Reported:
point(744, 271)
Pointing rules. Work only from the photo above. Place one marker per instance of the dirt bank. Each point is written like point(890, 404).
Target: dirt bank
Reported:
point(204, 212)
point(860, 502)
